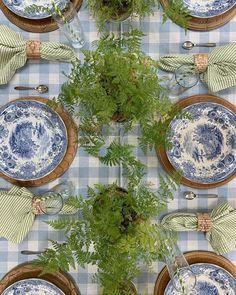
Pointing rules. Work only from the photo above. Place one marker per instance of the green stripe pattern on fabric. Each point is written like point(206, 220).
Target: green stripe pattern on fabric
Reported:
point(221, 71)
point(16, 216)
point(13, 53)
point(222, 235)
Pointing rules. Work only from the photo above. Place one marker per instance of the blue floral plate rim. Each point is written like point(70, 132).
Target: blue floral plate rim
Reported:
point(17, 7)
point(200, 268)
point(37, 281)
point(210, 10)
point(228, 113)
point(61, 126)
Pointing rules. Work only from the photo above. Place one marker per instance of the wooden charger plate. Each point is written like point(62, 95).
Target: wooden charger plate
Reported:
point(195, 257)
point(207, 24)
point(162, 154)
point(70, 153)
point(26, 271)
point(32, 25)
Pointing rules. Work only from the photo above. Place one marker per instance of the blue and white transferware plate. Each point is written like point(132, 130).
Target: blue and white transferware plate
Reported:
point(210, 280)
point(33, 140)
point(204, 145)
point(19, 7)
point(33, 287)
point(208, 8)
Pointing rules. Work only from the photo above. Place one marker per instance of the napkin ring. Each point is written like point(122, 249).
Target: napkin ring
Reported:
point(201, 62)
point(33, 49)
point(204, 223)
point(38, 207)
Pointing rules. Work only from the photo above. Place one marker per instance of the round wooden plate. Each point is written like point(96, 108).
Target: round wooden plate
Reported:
point(70, 153)
point(207, 24)
point(26, 271)
point(195, 257)
point(162, 154)
point(35, 26)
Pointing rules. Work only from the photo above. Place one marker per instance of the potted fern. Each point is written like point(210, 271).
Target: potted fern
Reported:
point(117, 82)
point(115, 231)
point(119, 10)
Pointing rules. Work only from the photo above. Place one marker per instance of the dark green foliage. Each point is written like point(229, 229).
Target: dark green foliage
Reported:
point(114, 231)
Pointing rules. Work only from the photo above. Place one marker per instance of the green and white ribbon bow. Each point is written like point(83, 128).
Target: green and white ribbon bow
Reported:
point(16, 216)
point(221, 236)
point(221, 70)
point(13, 53)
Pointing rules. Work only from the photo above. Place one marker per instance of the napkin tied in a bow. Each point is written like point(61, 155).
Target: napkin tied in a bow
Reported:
point(220, 72)
point(221, 234)
point(16, 214)
point(14, 52)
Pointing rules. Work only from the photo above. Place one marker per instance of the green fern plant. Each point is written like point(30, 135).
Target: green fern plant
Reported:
point(117, 80)
point(105, 10)
point(115, 230)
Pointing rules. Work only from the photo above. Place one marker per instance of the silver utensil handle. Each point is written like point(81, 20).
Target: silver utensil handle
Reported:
point(206, 45)
point(207, 195)
point(24, 88)
point(28, 252)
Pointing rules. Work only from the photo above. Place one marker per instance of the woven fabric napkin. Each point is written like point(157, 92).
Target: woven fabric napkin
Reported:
point(222, 233)
point(220, 72)
point(16, 216)
point(13, 52)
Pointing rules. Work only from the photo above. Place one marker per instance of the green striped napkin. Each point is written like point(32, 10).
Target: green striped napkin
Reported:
point(13, 53)
point(222, 235)
point(16, 216)
point(221, 71)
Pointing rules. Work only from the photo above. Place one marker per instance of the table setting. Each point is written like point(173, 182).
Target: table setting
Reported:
point(118, 147)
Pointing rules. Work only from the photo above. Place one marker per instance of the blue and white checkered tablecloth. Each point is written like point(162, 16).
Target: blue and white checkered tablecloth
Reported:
point(160, 39)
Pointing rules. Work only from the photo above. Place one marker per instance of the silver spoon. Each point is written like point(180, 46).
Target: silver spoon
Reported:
point(189, 45)
point(192, 195)
point(28, 252)
point(40, 88)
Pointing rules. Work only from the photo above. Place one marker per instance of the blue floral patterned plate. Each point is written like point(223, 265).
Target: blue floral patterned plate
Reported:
point(204, 146)
point(208, 8)
point(33, 140)
point(33, 287)
point(211, 280)
point(19, 7)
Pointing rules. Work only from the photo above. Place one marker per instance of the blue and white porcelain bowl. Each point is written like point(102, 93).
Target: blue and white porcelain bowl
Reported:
point(19, 7)
point(33, 287)
point(204, 145)
point(33, 140)
point(208, 8)
point(211, 280)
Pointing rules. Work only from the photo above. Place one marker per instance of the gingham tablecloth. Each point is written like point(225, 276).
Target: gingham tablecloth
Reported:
point(159, 40)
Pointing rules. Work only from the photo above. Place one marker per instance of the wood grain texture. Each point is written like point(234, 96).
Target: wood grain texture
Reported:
point(207, 24)
point(26, 271)
point(162, 154)
point(72, 134)
point(31, 25)
point(195, 257)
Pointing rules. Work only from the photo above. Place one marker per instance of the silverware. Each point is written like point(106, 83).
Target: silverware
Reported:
point(40, 88)
point(192, 195)
point(28, 252)
point(189, 45)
